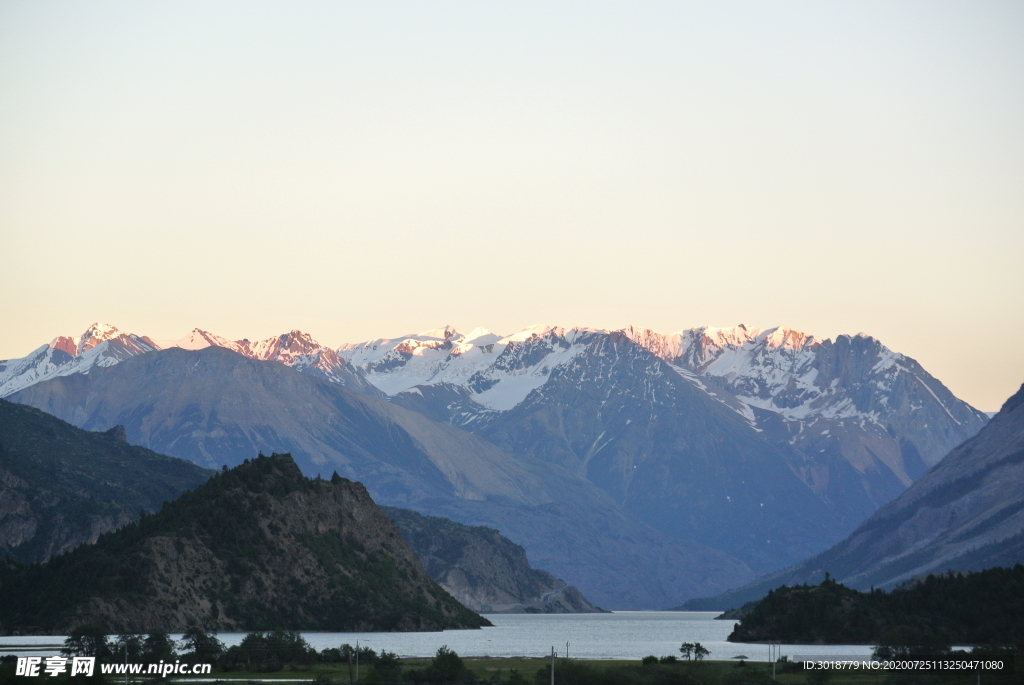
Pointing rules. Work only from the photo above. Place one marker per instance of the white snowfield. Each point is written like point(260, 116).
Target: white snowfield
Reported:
point(775, 370)
point(481, 362)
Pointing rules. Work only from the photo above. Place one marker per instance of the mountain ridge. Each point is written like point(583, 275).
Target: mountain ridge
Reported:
point(793, 440)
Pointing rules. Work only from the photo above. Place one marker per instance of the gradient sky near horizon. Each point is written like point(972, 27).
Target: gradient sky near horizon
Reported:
point(365, 170)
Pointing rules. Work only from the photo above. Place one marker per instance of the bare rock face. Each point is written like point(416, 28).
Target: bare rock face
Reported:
point(258, 547)
point(484, 570)
point(61, 487)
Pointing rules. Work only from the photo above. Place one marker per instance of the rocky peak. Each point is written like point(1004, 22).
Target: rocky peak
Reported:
point(96, 333)
point(118, 433)
point(65, 344)
point(297, 342)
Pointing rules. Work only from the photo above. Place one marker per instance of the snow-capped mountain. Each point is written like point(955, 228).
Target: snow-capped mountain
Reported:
point(104, 345)
point(779, 379)
point(818, 386)
point(295, 349)
point(851, 419)
point(101, 345)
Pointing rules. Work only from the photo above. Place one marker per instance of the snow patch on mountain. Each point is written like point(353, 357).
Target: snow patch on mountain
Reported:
point(499, 371)
point(196, 339)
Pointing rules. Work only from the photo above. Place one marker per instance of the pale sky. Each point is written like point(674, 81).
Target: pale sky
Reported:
point(364, 170)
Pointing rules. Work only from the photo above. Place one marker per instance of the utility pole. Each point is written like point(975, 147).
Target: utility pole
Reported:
point(357, 661)
point(552, 665)
point(566, 650)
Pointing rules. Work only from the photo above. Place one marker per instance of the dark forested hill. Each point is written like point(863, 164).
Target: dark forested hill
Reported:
point(61, 486)
point(977, 608)
point(484, 570)
point(255, 548)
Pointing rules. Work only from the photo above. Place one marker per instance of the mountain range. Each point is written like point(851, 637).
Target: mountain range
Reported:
point(764, 447)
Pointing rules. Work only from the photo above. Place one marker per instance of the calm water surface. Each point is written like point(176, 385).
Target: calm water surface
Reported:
point(619, 635)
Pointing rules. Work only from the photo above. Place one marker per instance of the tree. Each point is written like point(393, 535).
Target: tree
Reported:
point(158, 646)
point(904, 641)
point(331, 655)
point(515, 677)
point(446, 668)
point(200, 646)
point(687, 650)
point(818, 677)
point(270, 651)
point(127, 648)
point(87, 640)
point(386, 668)
point(699, 652)
point(364, 656)
point(447, 665)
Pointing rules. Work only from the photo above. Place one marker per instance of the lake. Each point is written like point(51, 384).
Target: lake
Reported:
point(618, 635)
